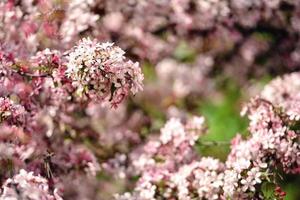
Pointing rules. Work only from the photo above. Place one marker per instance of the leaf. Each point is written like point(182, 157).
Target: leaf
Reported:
point(267, 189)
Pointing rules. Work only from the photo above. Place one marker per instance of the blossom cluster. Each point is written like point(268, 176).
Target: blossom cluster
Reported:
point(169, 168)
point(25, 185)
point(174, 146)
point(234, 28)
point(100, 71)
point(10, 112)
point(40, 99)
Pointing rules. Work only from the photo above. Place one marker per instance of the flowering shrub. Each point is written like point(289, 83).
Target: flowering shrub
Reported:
point(39, 101)
point(75, 125)
point(169, 167)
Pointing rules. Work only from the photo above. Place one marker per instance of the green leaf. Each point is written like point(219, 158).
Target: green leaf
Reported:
point(267, 189)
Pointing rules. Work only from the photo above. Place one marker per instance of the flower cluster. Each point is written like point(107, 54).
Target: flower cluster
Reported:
point(273, 144)
point(100, 71)
point(213, 27)
point(39, 108)
point(284, 93)
point(73, 25)
point(10, 112)
point(26, 185)
point(174, 146)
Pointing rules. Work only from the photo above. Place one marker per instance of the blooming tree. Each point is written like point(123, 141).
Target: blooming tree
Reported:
point(69, 131)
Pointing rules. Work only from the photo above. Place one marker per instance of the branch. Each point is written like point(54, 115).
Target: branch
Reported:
point(213, 143)
point(29, 74)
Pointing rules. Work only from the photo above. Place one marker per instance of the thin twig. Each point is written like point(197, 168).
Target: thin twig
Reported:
point(213, 143)
point(29, 74)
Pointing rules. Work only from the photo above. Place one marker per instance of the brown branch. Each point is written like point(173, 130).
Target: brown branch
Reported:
point(30, 75)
